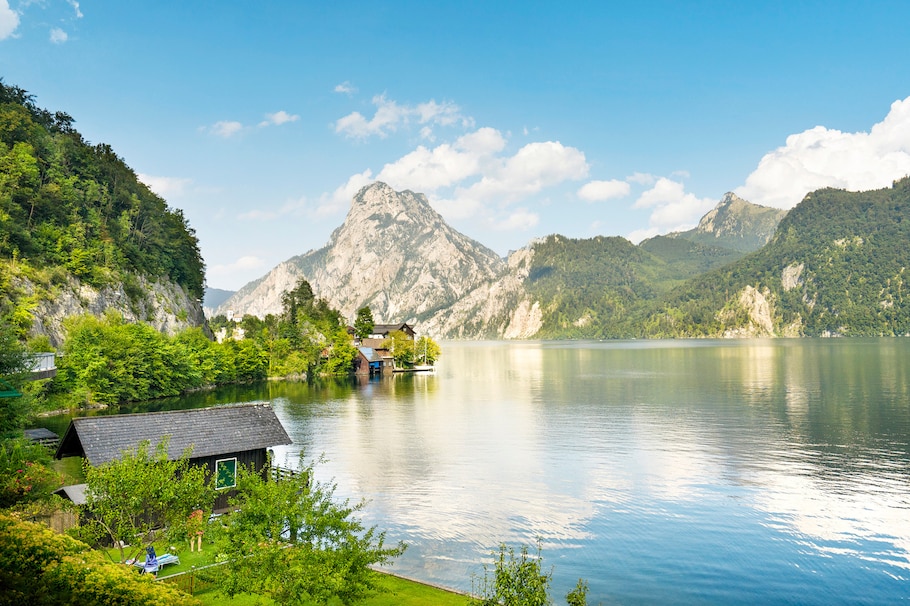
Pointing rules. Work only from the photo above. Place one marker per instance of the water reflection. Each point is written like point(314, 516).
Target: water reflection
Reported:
point(680, 471)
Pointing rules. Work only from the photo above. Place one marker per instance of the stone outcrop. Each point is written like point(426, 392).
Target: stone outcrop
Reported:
point(163, 304)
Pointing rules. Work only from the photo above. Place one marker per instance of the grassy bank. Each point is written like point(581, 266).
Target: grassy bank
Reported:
point(396, 592)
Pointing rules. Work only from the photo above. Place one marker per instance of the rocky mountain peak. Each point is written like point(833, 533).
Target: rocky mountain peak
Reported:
point(736, 224)
point(393, 253)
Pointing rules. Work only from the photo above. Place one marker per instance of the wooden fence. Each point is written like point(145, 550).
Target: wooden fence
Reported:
point(195, 579)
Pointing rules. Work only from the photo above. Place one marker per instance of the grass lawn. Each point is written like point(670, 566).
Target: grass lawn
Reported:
point(398, 592)
point(71, 470)
point(403, 591)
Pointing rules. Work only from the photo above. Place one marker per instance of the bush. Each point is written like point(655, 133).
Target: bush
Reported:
point(41, 568)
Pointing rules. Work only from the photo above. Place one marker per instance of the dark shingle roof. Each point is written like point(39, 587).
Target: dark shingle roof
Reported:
point(41, 433)
point(210, 431)
point(385, 329)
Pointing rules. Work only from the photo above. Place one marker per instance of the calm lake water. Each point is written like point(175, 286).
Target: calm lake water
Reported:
point(672, 472)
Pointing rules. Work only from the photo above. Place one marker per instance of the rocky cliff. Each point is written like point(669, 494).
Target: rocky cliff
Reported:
point(498, 308)
point(393, 253)
point(161, 303)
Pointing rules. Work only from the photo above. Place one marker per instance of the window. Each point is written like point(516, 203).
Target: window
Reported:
point(225, 473)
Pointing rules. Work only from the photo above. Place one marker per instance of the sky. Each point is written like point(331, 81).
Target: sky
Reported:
point(261, 120)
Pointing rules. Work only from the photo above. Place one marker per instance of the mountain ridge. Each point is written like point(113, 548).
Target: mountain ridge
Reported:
point(395, 254)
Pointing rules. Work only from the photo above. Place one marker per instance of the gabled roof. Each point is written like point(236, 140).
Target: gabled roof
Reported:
point(385, 329)
point(210, 431)
point(370, 354)
point(75, 493)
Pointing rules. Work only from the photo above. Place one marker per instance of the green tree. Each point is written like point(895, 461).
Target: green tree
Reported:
point(26, 479)
point(129, 497)
point(579, 595)
point(363, 324)
point(402, 348)
point(341, 354)
point(426, 350)
point(14, 362)
point(291, 540)
point(514, 581)
point(43, 568)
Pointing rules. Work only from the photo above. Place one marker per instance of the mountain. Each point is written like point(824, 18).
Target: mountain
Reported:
point(735, 224)
point(215, 297)
point(80, 234)
point(393, 253)
point(560, 287)
point(835, 266)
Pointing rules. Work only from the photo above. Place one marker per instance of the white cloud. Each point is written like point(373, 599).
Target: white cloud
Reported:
point(341, 198)
point(225, 128)
point(279, 118)
point(471, 178)
point(58, 36)
point(518, 220)
point(674, 208)
point(9, 20)
point(390, 116)
point(242, 264)
point(426, 170)
point(534, 167)
point(444, 114)
point(642, 178)
point(346, 88)
point(594, 191)
point(165, 186)
point(75, 6)
point(822, 157)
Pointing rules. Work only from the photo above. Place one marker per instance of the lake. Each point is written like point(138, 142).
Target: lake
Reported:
point(673, 472)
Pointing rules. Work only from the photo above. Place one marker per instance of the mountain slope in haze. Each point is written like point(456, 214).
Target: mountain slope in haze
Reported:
point(393, 253)
point(836, 266)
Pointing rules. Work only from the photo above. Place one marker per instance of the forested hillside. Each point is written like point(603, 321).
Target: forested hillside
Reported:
point(592, 287)
point(836, 266)
point(69, 209)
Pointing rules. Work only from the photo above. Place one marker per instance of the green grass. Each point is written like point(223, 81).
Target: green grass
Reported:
point(71, 470)
point(397, 592)
point(403, 591)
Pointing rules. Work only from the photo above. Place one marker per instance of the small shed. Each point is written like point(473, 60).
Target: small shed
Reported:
point(367, 361)
point(74, 493)
point(43, 436)
point(221, 437)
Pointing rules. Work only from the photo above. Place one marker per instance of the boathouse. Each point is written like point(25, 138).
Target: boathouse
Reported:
point(222, 438)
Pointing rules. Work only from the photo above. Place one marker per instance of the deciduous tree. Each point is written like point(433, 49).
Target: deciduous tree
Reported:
point(129, 497)
point(292, 540)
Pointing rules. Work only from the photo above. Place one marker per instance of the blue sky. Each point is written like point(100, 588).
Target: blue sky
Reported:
point(260, 120)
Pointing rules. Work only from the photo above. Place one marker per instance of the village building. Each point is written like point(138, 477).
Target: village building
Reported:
point(222, 438)
point(373, 361)
point(381, 333)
